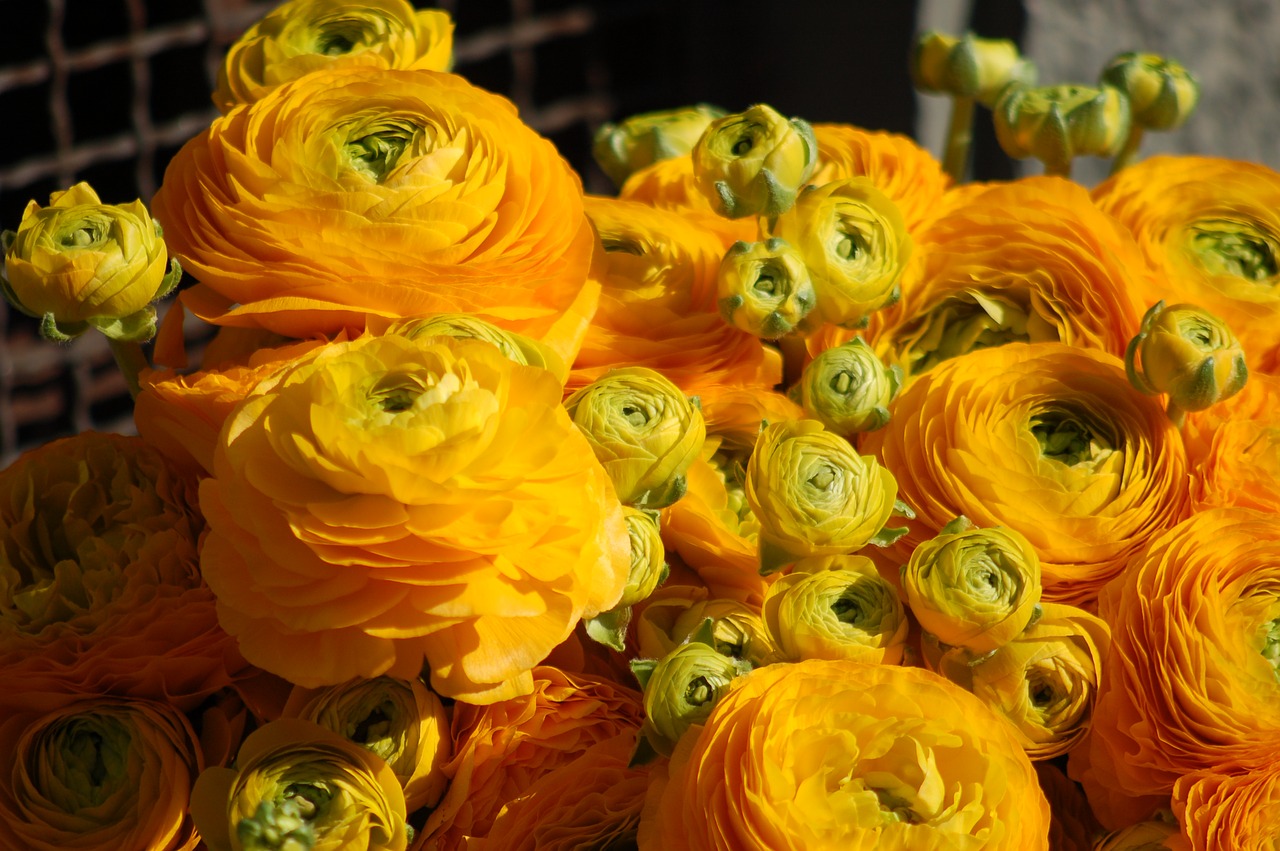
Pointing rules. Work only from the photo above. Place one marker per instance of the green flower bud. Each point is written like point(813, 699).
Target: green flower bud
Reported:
point(648, 564)
point(644, 431)
point(754, 162)
point(968, 66)
point(642, 140)
point(848, 389)
point(514, 347)
point(1162, 94)
point(1055, 124)
point(1188, 353)
point(764, 288)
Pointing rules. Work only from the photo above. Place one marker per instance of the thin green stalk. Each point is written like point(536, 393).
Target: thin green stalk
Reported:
point(959, 138)
point(1129, 152)
point(131, 360)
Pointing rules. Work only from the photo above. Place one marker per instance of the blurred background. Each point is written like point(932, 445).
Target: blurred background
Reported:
point(108, 90)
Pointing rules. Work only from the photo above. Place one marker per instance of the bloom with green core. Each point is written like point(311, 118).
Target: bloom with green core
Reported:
point(1055, 124)
point(754, 162)
point(968, 66)
point(848, 388)
point(643, 430)
point(764, 288)
point(624, 148)
point(523, 350)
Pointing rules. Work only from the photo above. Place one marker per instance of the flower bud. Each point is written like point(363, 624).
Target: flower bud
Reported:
point(79, 263)
point(514, 347)
point(1162, 94)
point(968, 66)
point(1188, 353)
point(640, 141)
point(754, 162)
point(814, 495)
point(644, 431)
point(648, 564)
point(848, 388)
point(1055, 124)
point(973, 588)
point(674, 614)
point(854, 242)
point(837, 607)
point(764, 288)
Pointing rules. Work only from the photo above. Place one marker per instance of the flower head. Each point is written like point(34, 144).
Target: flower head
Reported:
point(754, 162)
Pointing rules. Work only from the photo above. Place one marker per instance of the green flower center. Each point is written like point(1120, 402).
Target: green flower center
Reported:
point(380, 146)
point(85, 232)
point(341, 35)
point(276, 826)
point(87, 757)
point(375, 730)
point(895, 809)
point(1271, 644)
point(1070, 439)
point(1226, 247)
point(699, 691)
point(967, 323)
point(396, 392)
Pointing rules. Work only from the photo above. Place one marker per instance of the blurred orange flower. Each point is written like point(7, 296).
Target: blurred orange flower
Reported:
point(1220, 812)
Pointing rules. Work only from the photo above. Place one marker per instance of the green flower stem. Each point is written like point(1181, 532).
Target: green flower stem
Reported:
point(1175, 413)
point(1063, 170)
point(1129, 152)
point(959, 138)
point(131, 360)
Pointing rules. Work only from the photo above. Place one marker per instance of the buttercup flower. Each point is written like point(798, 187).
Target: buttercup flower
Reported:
point(813, 495)
point(1190, 683)
point(642, 140)
point(79, 263)
point(837, 607)
point(645, 432)
point(97, 774)
point(431, 502)
point(754, 162)
point(444, 200)
point(514, 347)
point(764, 288)
point(848, 389)
point(1218, 811)
point(855, 244)
point(840, 754)
point(1055, 124)
point(296, 777)
point(1210, 228)
point(1048, 440)
point(973, 588)
point(401, 721)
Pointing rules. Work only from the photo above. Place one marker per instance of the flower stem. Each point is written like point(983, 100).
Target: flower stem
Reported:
point(959, 138)
point(131, 360)
point(1130, 150)
point(1063, 170)
point(1175, 413)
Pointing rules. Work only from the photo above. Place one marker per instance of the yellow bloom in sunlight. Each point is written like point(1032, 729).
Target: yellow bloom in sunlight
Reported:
point(388, 502)
point(840, 754)
point(302, 36)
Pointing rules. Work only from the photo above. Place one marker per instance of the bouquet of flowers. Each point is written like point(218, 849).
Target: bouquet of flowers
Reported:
point(800, 496)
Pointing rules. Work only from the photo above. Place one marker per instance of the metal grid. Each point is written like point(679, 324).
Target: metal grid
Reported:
point(108, 91)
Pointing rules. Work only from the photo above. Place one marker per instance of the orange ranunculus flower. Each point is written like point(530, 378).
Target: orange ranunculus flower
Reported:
point(658, 305)
point(1234, 448)
point(502, 750)
point(1190, 683)
point(94, 773)
point(387, 501)
point(841, 754)
point(1210, 228)
point(99, 577)
point(361, 192)
point(1031, 261)
point(1223, 813)
point(1048, 440)
point(592, 802)
point(895, 164)
point(302, 36)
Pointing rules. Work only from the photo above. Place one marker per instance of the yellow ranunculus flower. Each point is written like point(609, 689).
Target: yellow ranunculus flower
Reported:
point(764, 288)
point(301, 36)
point(637, 142)
point(515, 347)
point(1220, 811)
point(836, 607)
point(1055, 124)
point(296, 777)
point(1162, 94)
point(973, 588)
point(840, 754)
point(1044, 680)
point(675, 612)
point(1189, 354)
point(671, 185)
point(968, 66)
point(848, 389)
point(855, 244)
point(813, 494)
point(382, 503)
point(402, 721)
point(648, 567)
point(643, 430)
point(358, 193)
point(79, 263)
point(754, 162)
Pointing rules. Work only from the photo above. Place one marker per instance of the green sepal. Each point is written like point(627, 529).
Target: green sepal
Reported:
point(886, 536)
point(664, 496)
point(7, 238)
point(137, 327)
point(704, 634)
point(773, 558)
point(170, 280)
point(901, 509)
point(610, 628)
point(55, 333)
point(955, 527)
point(644, 752)
point(643, 670)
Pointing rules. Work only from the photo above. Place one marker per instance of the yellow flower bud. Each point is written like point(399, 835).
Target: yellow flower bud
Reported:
point(973, 588)
point(642, 140)
point(968, 66)
point(855, 244)
point(1188, 353)
point(648, 563)
point(814, 495)
point(837, 607)
point(79, 263)
point(848, 388)
point(643, 430)
point(1162, 94)
point(514, 347)
point(754, 162)
point(1055, 124)
point(764, 288)
point(676, 612)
